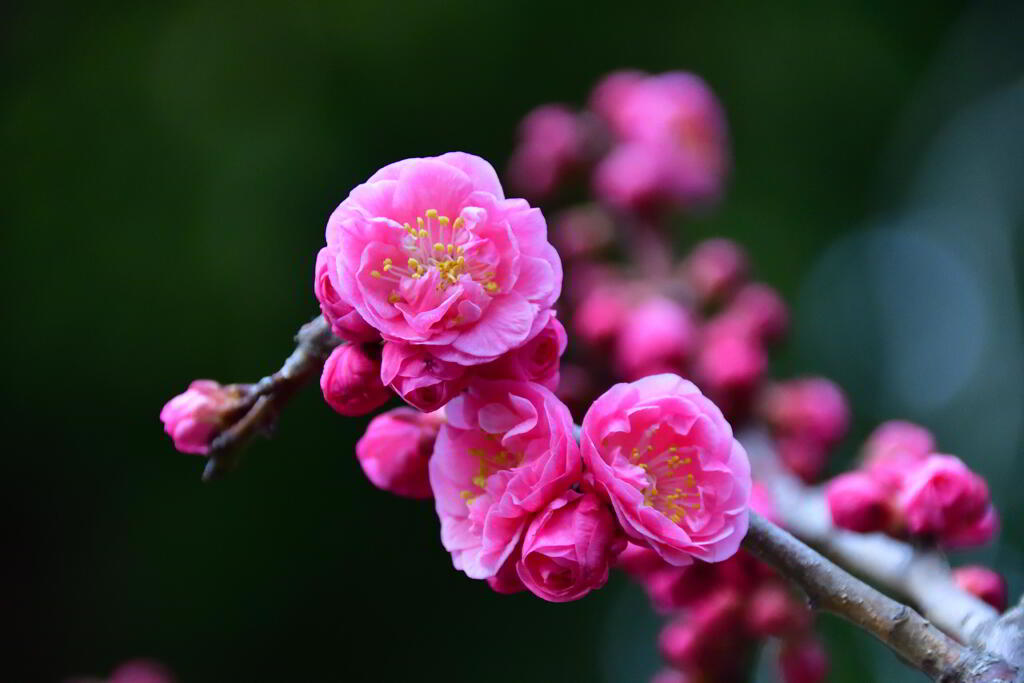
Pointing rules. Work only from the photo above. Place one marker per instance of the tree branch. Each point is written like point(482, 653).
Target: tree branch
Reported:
point(265, 399)
point(902, 629)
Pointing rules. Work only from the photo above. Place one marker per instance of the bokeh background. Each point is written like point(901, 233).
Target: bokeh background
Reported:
point(167, 171)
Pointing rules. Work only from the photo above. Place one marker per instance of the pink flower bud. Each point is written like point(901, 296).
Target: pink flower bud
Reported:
point(141, 671)
point(803, 661)
point(729, 368)
point(857, 502)
point(193, 419)
point(758, 309)
point(805, 457)
point(425, 382)
point(657, 336)
point(568, 548)
point(582, 231)
point(705, 637)
point(772, 611)
point(600, 314)
point(945, 500)
point(983, 583)
point(894, 450)
point(649, 178)
point(344, 321)
point(550, 145)
point(395, 450)
point(810, 416)
point(715, 268)
point(351, 381)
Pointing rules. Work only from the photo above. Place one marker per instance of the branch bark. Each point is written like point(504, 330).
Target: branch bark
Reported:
point(313, 344)
point(902, 629)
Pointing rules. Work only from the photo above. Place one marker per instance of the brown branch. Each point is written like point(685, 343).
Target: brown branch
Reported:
point(902, 629)
point(266, 398)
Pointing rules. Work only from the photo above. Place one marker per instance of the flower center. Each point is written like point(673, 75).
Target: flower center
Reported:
point(670, 471)
point(491, 460)
point(435, 242)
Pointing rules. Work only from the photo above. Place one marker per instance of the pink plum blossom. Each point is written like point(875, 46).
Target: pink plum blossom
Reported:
point(809, 415)
point(535, 361)
point(568, 548)
point(715, 268)
point(193, 419)
point(656, 336)
point(666, 459)
point(550, 145)
point(507, 581)
point(759, 311)
point(506, 451)
point(395, 448)
point(350, 381)
point(983, 583)
point(858, 502)
point(600, 314)
point(430, 253)
point(729, 367)
point(423, 380)
point(895, 449)
point(945, 500)
point(342, 318)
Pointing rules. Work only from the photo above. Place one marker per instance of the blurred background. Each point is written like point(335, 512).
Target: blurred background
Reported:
point(168, 169)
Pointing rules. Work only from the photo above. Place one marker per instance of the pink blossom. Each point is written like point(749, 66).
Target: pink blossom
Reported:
point(729, 367)
point(506, 451)
point(141, 671)
point(944, 499)
point(351, 382)
point(895, 449)
point(983, 583)
point(568, 548)
point(429, 252)
point(656, 336)
point(803, 660)
point(507, 581)
point(600, 314)
point(550, 144)
point(810, 416)
point(424, 381)
point(666, 459)
point(858, 502)
point(344, 321)
point(395, 449)
point(715, 268)
point(535, 361)
point(648, 178)
point(193, 419)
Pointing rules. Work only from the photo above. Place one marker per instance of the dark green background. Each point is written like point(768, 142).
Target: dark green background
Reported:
point(168, 169)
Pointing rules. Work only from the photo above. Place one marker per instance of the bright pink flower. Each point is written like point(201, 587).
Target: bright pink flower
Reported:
point(507, 581)
point(666, 459)
point(506, 451)
point(944, 499)
point(600, 314)
point(344, 321)
point(395, 449)
point(141, 671)
point(425, 382)
point(193, 419)
point(429, 252)
point(583, 230)
point(803, 660)
point(351, 382)
point(648, 178)
point(707, 638)
point(983, 583)
point(656, 336)
point(894, 450)
point(550, 144)
point(612, 90)
point(568, 548)
point(715, 268)
point(535, 361)
point(858, 502)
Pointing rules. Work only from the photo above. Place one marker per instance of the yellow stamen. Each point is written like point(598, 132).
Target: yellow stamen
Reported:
point(431, 213)
point(375, 273)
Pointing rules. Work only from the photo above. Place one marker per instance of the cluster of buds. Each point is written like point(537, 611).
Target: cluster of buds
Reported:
point(904, 488)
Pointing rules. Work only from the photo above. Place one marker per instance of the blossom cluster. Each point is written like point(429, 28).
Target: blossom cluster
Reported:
point(903, 487)
point(447, 294)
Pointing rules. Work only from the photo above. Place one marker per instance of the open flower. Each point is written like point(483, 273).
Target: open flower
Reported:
point(429, 252)
point(506, 451)
point(666, 459)
point(568, 548)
